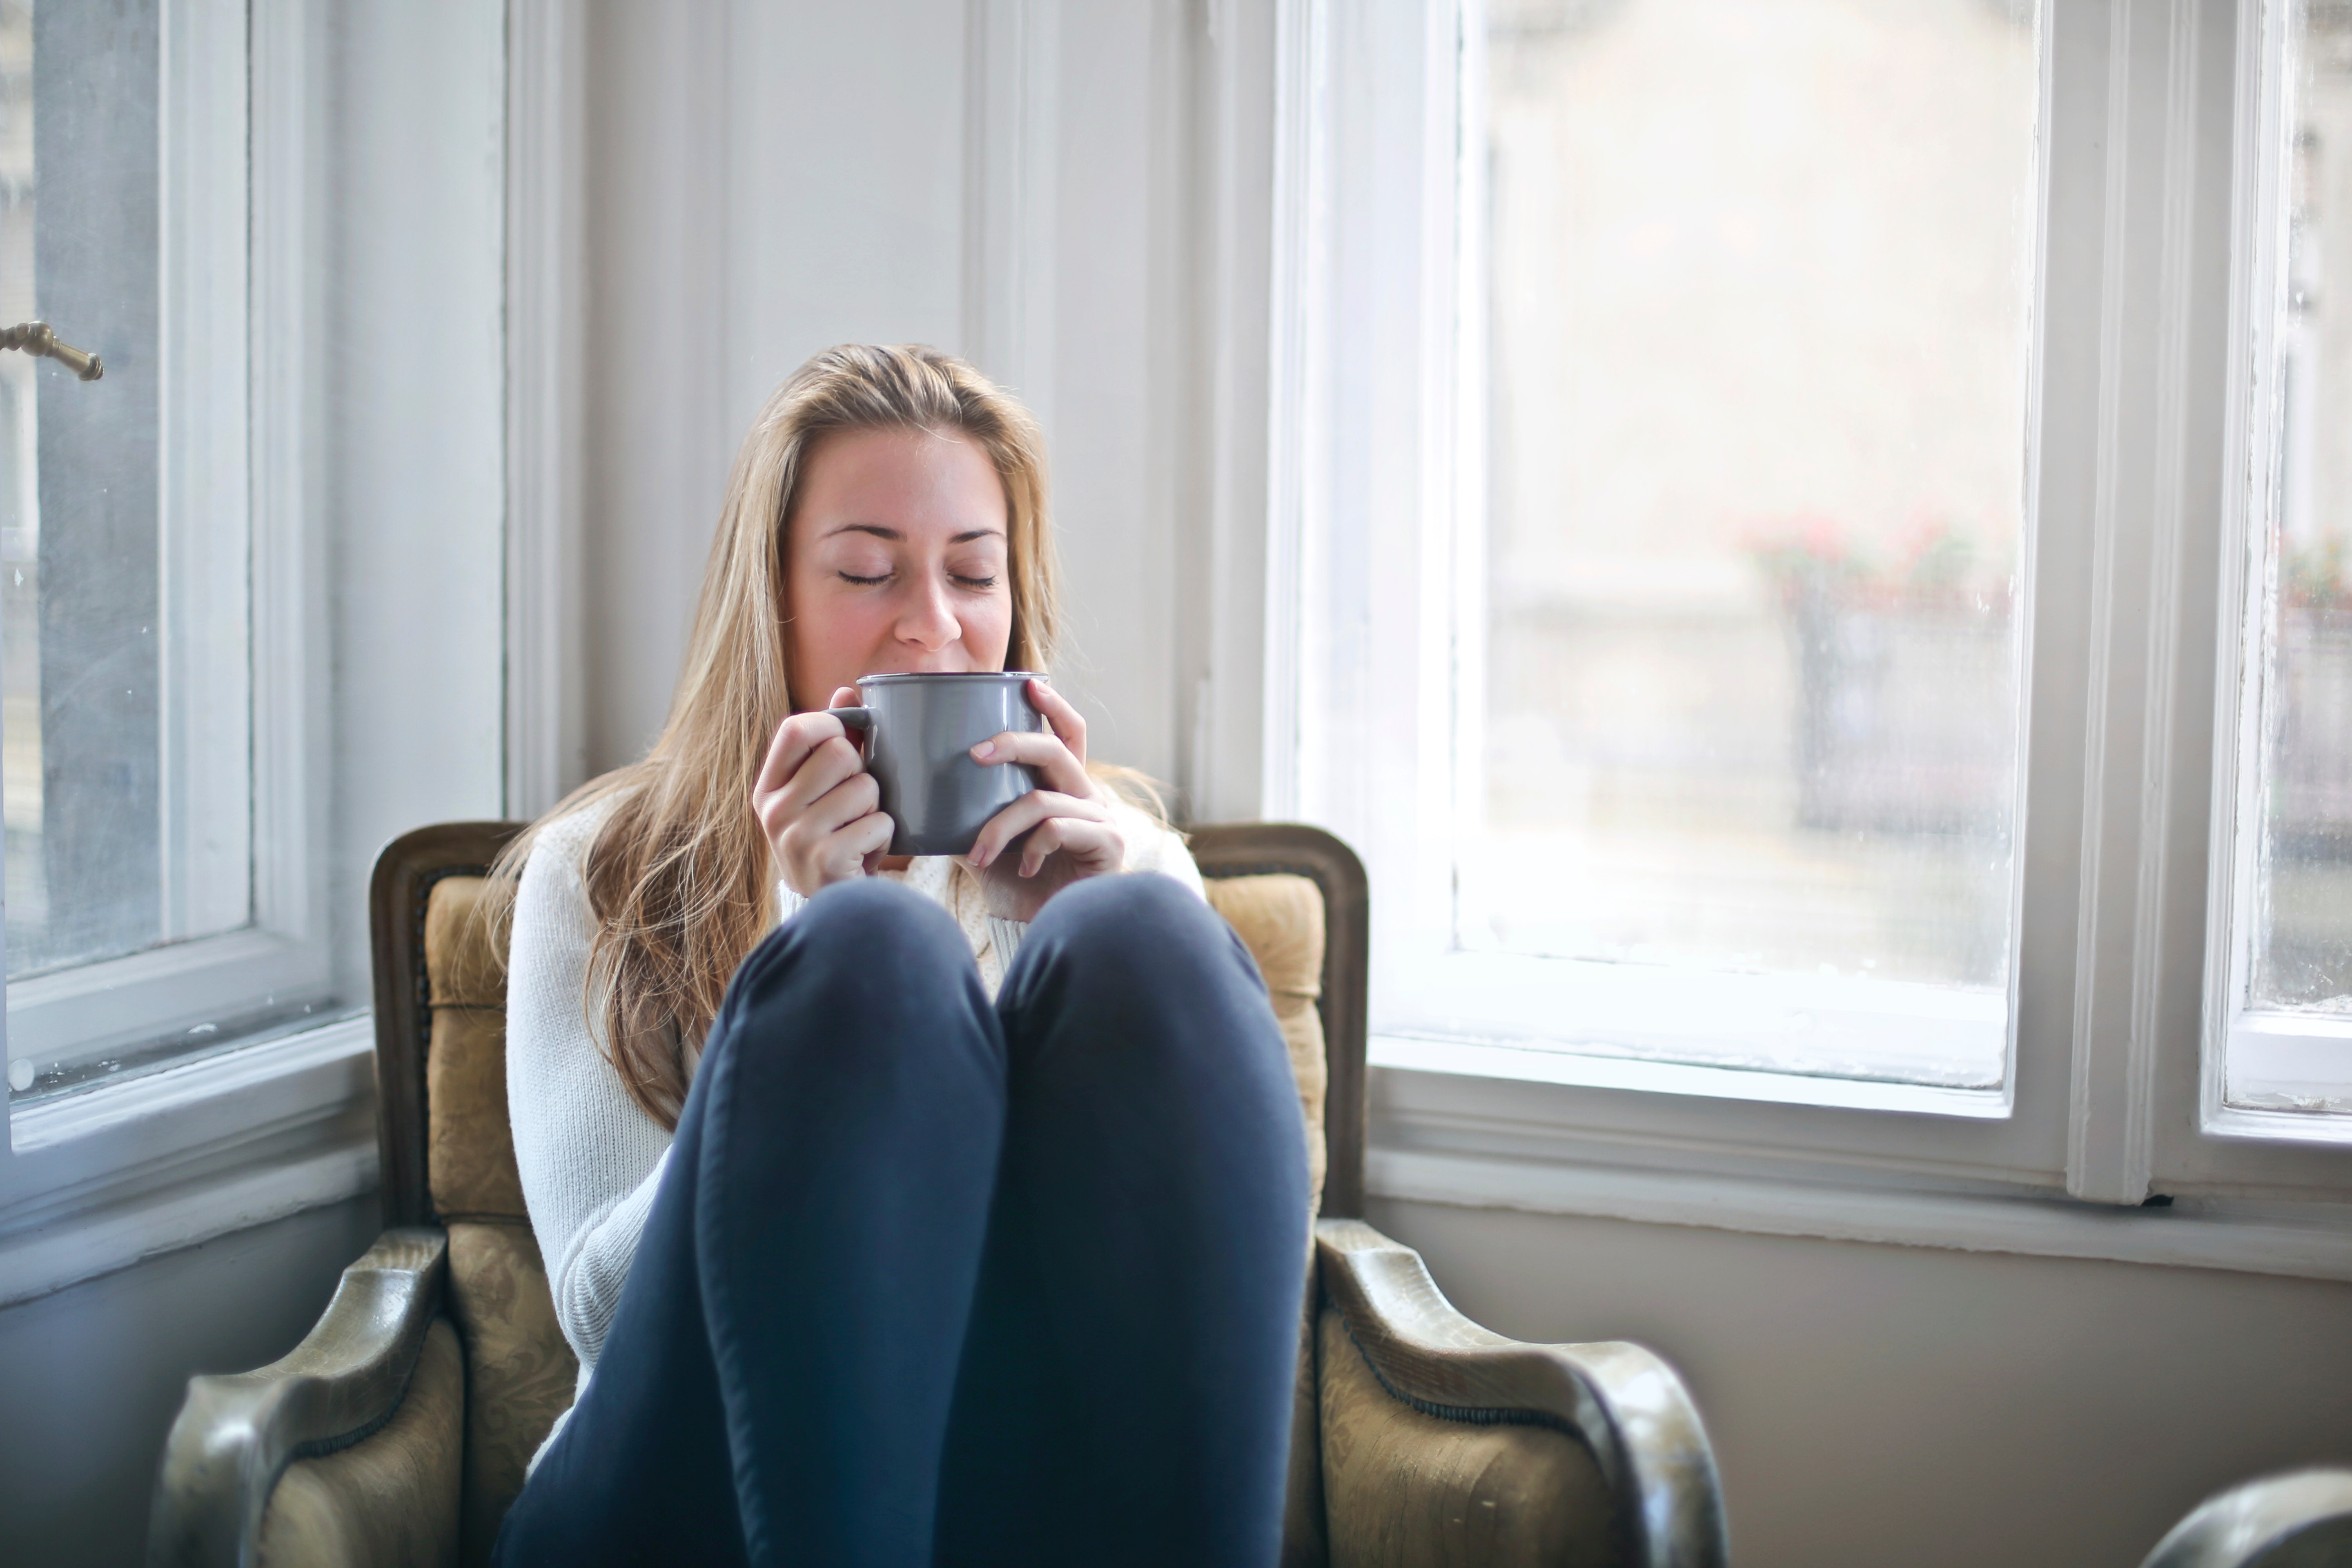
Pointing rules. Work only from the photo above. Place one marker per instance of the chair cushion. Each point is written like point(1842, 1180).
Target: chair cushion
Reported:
point(1403, 1488)
point(469, 1144)
point(1280, 918)
point(519, 1373)
point(390, 1500)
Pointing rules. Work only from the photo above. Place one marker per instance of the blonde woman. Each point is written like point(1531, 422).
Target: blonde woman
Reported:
point(898, 1212)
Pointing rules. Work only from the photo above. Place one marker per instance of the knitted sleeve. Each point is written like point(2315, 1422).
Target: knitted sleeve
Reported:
point(590, 1160)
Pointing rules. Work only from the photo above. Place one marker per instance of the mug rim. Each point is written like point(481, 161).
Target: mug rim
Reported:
point(905, 675)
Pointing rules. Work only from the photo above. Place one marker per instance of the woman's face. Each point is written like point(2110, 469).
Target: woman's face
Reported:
point(894, 561)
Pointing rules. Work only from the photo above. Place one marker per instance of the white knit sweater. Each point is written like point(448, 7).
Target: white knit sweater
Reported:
point(590, 1159)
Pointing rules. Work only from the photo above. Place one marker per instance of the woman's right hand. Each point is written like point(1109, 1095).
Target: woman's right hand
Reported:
point(817, 803)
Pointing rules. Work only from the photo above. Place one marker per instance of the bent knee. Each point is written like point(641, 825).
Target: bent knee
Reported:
point(1138, 918)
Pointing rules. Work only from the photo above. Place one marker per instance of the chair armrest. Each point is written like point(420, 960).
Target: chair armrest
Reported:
point(236, 1433)
point(1625, 1404)
point(2301, 1518)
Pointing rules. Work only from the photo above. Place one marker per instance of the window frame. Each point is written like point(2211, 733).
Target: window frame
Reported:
point(240, 722)
point(2230, 1021)
point(2139, 281)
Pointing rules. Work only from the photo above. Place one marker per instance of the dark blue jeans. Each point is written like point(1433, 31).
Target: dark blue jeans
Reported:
point(932, 1280)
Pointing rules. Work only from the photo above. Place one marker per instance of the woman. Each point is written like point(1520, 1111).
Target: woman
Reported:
point(950, 1210)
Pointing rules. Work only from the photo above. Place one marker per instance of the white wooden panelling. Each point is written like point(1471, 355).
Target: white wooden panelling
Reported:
point(546, 285)
point(2150, 208)
point(1012, 146)
point(206, 696)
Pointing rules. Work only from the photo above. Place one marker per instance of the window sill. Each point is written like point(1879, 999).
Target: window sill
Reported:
point(98, 1181)
point(1539, 1064)
point(1458, 1139)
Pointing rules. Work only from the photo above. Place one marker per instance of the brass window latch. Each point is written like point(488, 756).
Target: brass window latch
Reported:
point(35, 337)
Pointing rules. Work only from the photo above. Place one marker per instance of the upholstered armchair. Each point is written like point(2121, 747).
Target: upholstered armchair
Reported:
point(397, 1432)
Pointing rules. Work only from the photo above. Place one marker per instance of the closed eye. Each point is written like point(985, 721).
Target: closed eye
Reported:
point(977, 582)
point(864, 582)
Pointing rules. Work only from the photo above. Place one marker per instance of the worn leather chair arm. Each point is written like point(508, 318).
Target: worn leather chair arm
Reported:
point(1624, 1403)
point(2300, 1519)
point(236, 1433)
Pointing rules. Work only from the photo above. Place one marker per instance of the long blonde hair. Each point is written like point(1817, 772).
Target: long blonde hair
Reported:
point(678, 877)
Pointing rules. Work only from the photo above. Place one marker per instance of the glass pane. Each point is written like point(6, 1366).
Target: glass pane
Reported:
point(78, 249)
point(2303, 918)
point(1759, 279)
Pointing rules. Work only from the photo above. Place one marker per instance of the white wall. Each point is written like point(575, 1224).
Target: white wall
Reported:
point(764, 181)
point(91, 1376)
point(1880, 1405)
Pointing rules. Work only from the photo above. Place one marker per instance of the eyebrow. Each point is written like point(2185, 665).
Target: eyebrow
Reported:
point(879, 532)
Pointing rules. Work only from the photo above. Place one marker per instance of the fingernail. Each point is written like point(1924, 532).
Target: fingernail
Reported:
point(984, 751)
point(979, 857)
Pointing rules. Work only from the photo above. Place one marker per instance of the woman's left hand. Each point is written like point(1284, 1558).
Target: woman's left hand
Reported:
point(1071, 833)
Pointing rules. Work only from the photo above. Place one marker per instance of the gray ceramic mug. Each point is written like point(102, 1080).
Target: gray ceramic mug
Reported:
point(919, 731)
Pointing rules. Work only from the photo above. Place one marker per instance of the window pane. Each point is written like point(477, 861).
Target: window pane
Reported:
point(2302, 918)
point(78, 183)
point(1759, 290)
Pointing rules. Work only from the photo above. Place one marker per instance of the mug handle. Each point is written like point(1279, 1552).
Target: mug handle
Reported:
point(854, 720)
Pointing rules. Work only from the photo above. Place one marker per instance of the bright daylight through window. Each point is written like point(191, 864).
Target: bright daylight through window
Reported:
point(2290, 994)
point(1741, 776)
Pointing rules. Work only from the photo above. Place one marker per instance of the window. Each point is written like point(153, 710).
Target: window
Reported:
point(2289, 977)
point(1753, 572)
point(158, 898)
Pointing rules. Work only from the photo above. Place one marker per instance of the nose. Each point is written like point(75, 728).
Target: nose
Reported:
point(928, 620)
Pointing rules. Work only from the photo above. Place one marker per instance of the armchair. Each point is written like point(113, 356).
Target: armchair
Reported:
point(397, 1432)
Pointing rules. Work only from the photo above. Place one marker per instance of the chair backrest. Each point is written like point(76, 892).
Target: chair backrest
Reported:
point(1280, 931)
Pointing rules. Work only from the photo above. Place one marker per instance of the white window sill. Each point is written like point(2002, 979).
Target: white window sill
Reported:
point(1489, 1132)
point(98, 1181)
point(1536, 1063)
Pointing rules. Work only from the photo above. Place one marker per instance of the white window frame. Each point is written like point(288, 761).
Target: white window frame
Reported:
point(242, 928)
point(2237, 1033)
point(2132, 414)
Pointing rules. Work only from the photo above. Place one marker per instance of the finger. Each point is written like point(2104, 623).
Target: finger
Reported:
point(851, 800)
point(1095, 847)
point(1063, 715)
point(869, 835)
point(1057, 767)
point(849, 851)
point(821, 771)
point(795, 738)
point(843, 697)
point(1026, 813)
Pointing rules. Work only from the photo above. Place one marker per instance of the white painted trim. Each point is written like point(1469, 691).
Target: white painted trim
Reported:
point(1298, 307)
point(547, 324)
point(1532, 1063)
point(2145, 310)
point(1222, 607)
point(292, 667)
point(102, 1179)
point(2245, 508)
point(2314, 1245)
point(83, 1013)
point(1011, 177)
point(204, 523)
